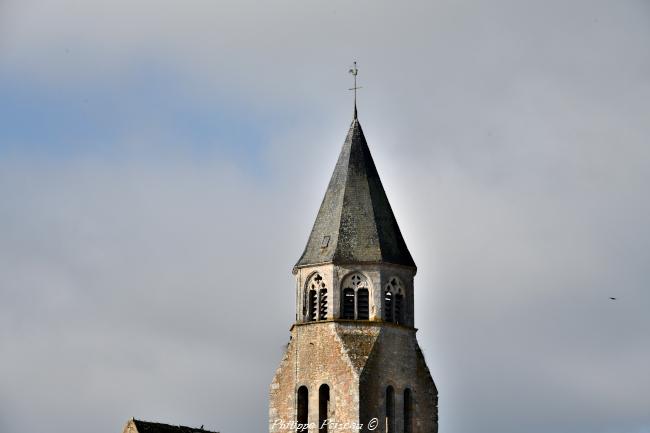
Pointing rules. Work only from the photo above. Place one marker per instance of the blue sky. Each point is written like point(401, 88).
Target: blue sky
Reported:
point(161, 164)
point(90, 119)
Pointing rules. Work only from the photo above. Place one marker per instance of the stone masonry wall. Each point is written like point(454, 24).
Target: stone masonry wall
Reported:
point(357, 360)
point(321, 353)
point(397, 360)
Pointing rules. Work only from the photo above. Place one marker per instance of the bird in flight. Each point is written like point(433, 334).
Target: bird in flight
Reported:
point(612, 299)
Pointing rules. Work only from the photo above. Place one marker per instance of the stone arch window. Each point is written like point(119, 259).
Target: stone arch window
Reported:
point(408, 411)
point(316, 298)
point(394, 301)
point(389, 420)
point(323, 407)
point(355, 297)
point(302, 410)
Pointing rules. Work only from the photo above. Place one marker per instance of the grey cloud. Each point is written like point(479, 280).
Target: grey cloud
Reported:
point(511, 138)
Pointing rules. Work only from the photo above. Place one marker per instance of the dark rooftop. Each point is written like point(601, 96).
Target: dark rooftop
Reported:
point(355, 223)
point(154, 427)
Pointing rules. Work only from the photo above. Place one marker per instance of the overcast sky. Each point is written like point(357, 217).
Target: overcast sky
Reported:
point(161, 165)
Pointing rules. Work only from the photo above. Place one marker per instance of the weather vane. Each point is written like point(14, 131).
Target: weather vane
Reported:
point(354, 71)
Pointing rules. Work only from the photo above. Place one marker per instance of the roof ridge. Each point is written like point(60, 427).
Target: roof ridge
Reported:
point(350, 137)
point(160, 427)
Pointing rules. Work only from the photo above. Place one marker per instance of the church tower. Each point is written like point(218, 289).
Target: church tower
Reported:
point(353, 362)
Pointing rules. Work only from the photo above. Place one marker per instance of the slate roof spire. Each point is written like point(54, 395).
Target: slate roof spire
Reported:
point(355, 223)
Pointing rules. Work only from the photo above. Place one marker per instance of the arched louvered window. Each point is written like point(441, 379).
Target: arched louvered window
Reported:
point(316, 298)
point(362, 304)
point(355, 296)
point(408, 411)
point(302, 409)
point(390, 410)
point(323, 407)
point(348, 303)
point(394, 305)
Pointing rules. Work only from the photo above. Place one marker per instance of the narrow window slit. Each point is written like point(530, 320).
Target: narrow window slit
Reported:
point(390, 410)
point(408, 411)
point(302, 415)
point(323, 407)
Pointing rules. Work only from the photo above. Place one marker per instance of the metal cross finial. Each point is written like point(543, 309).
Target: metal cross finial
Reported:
point(354, 71)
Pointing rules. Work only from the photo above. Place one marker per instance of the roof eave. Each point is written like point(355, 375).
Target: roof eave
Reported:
point(353, 263)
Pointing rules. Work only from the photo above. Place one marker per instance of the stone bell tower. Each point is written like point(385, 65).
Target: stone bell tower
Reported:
point(353, 362)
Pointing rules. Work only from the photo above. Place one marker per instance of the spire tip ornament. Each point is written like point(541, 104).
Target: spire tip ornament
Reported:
point(354, 71)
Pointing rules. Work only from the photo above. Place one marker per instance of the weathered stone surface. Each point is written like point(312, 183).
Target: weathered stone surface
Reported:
point(357, 360)
point(397, 360)
point(317, 355)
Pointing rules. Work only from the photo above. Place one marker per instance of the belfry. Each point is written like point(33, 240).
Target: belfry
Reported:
point(353, 362)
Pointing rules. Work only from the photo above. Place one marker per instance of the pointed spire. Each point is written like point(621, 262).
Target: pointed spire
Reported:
point(355, 223)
